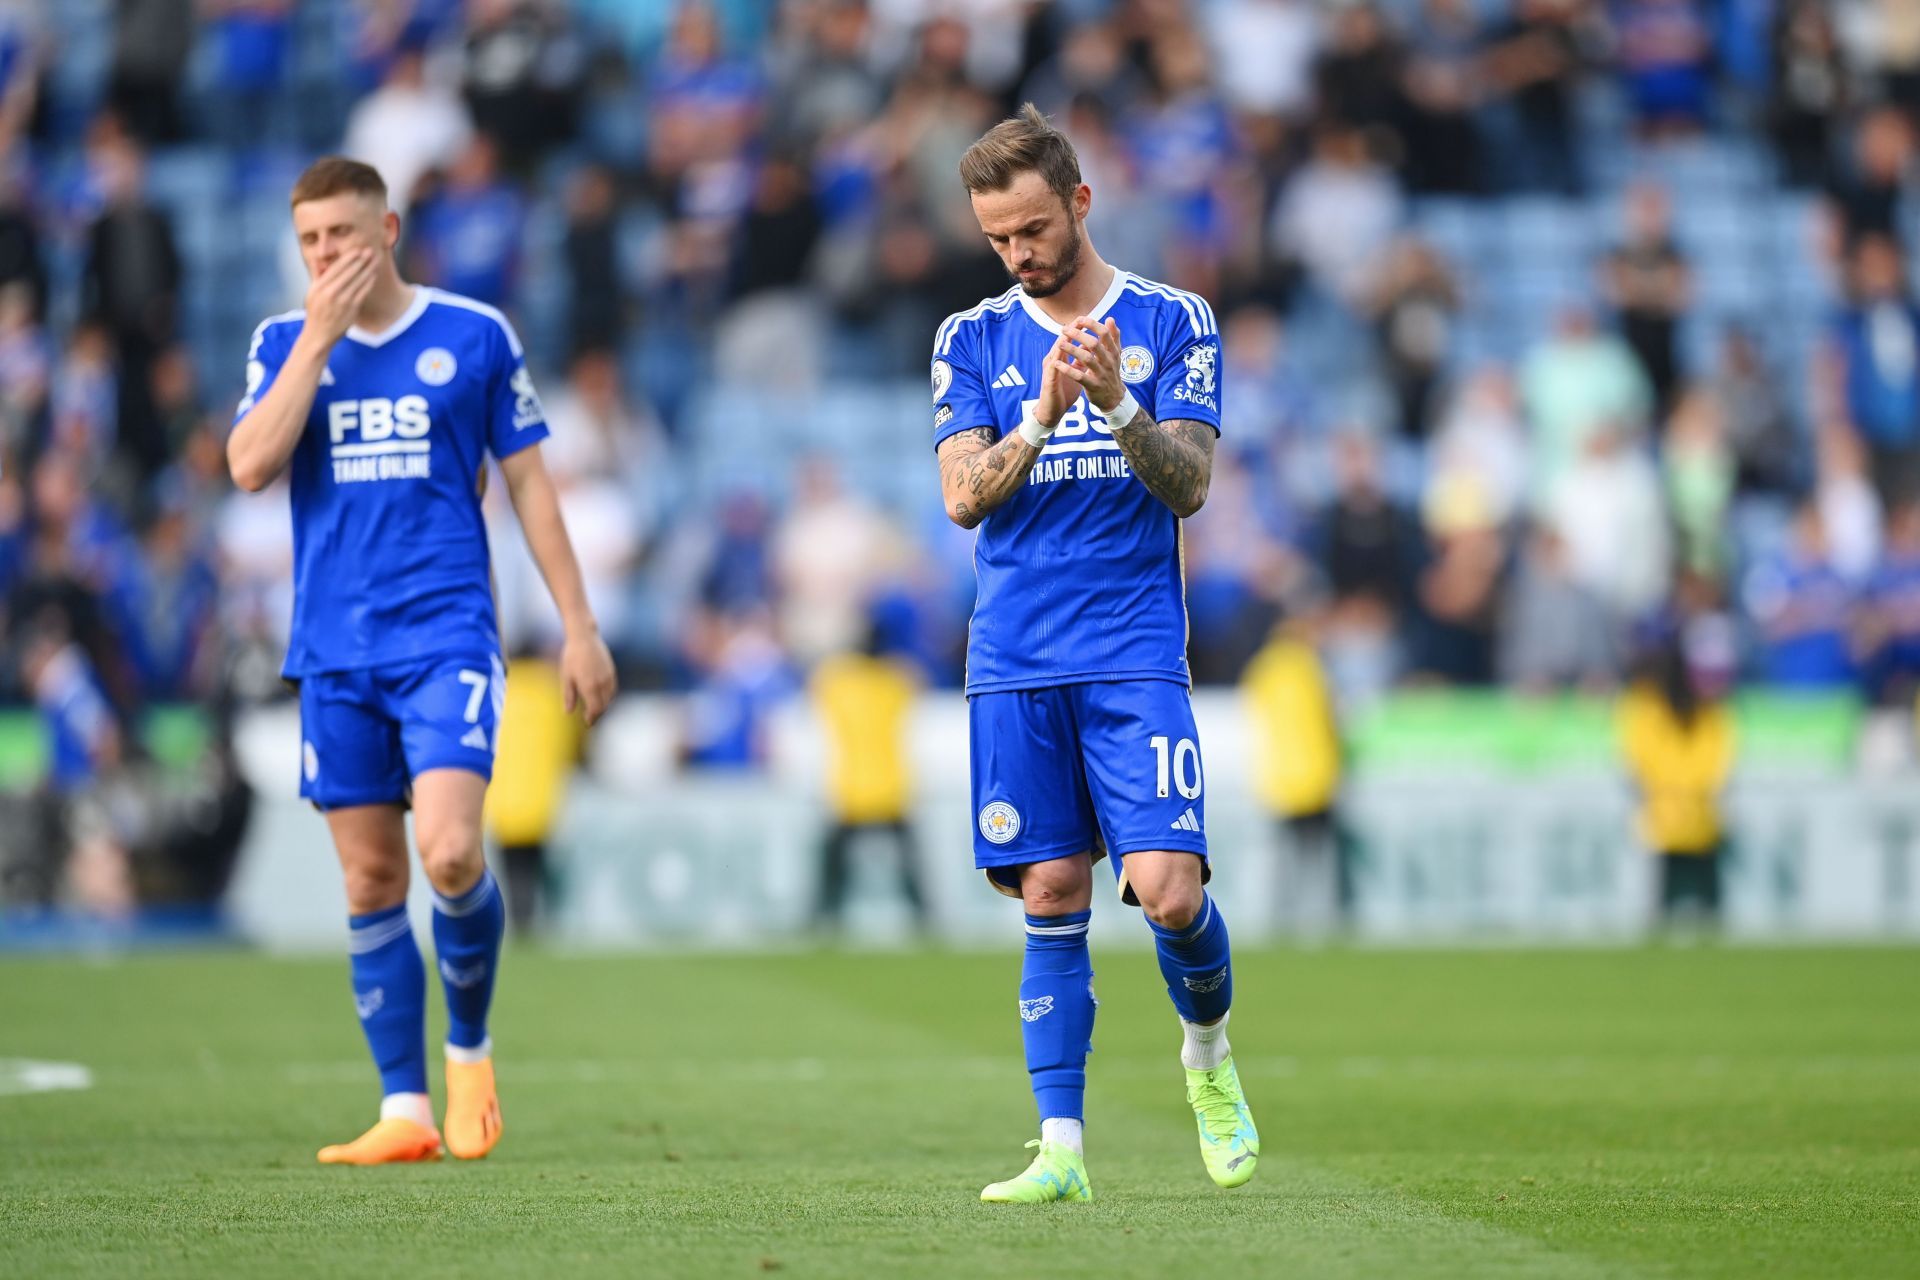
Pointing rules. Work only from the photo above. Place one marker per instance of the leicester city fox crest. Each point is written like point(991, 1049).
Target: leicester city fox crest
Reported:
point(1000, 822)
point(1036, 1009)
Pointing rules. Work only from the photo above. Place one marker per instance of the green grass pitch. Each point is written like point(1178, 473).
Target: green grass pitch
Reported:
point(1706, 1111)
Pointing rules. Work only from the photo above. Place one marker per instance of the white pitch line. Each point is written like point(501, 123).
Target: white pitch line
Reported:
point(26, 1075)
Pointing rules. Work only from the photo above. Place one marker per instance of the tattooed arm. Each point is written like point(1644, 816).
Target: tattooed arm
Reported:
point(977, 473)
point(1174, 459)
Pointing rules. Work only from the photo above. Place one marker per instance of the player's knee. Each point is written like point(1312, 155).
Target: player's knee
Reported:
point(450, 853)
point(1171, 905)
point(1053, 889)
point(374, 885)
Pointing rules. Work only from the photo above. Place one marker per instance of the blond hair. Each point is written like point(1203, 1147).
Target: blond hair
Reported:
point(337, 175)
point(1027, 143)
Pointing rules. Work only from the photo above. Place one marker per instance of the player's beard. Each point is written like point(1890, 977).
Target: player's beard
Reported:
point(1063, 270)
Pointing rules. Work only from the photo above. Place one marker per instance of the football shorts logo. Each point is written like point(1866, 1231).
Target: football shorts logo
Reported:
point(435, 367)
point(1036, 1009)
point(942, 379)
point(1136, 364)
point(309, 761)
point(999, 822)
point(1200, 367)
point(1208, 984)
point(943, 415)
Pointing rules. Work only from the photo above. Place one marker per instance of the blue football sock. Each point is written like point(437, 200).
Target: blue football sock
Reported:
point(1197, 964)
point(466, 937)
point(1056, 1012)
point(390, 993)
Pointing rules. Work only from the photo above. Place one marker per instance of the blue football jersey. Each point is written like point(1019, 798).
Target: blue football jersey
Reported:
point(389, 547)
point(1080, 572)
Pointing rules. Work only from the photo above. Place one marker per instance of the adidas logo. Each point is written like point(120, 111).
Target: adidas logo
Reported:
point(326, 376)
point(1011, 378)
point(476, 738)
point(1186, 822)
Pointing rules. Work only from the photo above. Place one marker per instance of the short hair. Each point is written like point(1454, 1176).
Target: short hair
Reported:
point(337, 175)
point(1027, 143)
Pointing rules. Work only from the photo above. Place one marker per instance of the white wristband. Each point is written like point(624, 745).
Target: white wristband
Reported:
point(1030, 429)
point(1122, 414)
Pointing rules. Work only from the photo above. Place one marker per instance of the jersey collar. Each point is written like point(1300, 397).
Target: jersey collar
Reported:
point(398, 327)
point(1047, 322)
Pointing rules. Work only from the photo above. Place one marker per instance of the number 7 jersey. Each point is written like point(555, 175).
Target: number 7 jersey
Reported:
point(390, 556)
point(1080, 571)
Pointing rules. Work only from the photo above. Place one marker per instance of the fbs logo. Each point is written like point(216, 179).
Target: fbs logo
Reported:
point(999, 822)
point(378, 421)
point(1036, 1009)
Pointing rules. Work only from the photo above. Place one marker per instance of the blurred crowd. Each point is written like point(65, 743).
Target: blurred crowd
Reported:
point(1503, 406)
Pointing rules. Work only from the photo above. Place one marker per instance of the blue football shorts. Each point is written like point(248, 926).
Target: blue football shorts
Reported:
point(1095, 768)
point(365, 735)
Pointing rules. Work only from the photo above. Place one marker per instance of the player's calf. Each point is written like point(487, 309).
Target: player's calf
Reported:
point(469, 921)
point(466, 935)
point(1197, 962)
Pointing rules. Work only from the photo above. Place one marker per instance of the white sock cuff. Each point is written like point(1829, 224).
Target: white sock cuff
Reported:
point(478, 1053)
point(1204, 1048)
point(1206, 1031)
point(1066, 1131)
point(417, 1107)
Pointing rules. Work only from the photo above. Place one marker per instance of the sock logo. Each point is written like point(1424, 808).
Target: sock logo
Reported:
point(471, 976)
point(1208, 984)
point(1036, 1009)
point(368, 1003)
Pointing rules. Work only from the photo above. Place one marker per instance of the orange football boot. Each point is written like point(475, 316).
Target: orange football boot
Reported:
point(473, 1109)
point(392, 1141)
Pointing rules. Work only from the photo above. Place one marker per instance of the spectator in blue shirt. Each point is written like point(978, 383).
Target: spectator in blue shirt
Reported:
point(162, 604)
point(1890, 618)
point(466, 235)
point(1801, 610)
point(1666, 51)
point(1872, 367)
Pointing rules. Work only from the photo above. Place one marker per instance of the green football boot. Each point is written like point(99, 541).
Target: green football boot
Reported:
point(1057, 1173)
point(1228, 1141)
